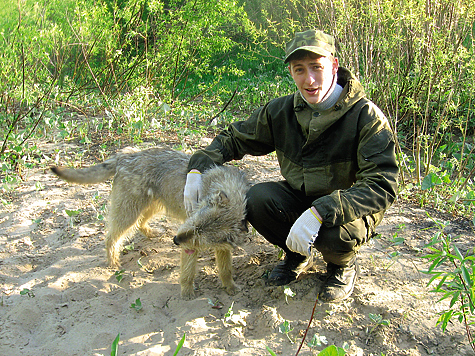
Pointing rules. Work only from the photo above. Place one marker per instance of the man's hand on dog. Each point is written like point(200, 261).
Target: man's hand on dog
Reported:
point(192, 191)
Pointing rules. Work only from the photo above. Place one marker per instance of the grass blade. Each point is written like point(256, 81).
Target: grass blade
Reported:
point(115, 346)
point(180, 345)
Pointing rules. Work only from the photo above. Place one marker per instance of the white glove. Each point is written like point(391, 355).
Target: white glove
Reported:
point(303, 233)
point(192, 191)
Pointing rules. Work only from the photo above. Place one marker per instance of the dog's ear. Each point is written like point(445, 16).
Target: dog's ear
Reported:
point(220, 199)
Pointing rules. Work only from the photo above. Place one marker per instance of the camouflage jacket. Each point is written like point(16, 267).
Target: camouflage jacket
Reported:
point(345, 156)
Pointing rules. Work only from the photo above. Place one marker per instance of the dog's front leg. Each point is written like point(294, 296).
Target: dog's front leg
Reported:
point(187, 273)
point(225, 269)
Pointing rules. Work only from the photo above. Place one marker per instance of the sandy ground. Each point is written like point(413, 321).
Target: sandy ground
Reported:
point(58, 297)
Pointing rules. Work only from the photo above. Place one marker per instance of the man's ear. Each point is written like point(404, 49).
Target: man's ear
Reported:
point(335, 65)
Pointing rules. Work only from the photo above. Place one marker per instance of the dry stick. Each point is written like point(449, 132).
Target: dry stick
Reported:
point(85, 55)
point(23, 72)
point(464, 162)
point(55, 79)
point(224, 108)
point(178, 52)
point(22, 116)
point(308, 326)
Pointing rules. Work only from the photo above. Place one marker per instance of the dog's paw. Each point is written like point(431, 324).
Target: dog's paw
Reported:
point(150, 232)
point(187, 293)
point(232, 289)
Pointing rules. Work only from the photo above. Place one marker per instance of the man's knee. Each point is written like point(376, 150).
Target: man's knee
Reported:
point(339, 244)
point(271, 199)
point(271, 210)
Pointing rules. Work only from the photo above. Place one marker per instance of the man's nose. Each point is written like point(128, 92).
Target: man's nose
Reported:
point(310, 78)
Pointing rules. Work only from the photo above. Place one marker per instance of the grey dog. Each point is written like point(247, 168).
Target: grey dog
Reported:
point(152, 181)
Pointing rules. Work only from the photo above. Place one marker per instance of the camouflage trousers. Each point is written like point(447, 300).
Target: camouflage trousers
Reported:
point(273, 207)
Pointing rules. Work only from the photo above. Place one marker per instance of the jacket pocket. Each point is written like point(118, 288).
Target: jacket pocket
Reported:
point(376, 149)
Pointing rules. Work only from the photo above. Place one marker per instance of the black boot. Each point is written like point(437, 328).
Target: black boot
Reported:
point(340, 282)
point(288, 270)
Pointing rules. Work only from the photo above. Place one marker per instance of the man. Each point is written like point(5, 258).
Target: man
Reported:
point(336, 153)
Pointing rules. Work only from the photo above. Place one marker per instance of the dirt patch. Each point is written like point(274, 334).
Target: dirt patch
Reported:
point(77, 306)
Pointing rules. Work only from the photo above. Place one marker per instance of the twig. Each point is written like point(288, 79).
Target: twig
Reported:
point(308, 326)
point(224, 108)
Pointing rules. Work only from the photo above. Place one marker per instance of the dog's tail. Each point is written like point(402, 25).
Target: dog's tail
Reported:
point(90, 175)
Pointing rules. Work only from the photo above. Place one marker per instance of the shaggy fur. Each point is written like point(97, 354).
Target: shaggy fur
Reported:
point(151, 181)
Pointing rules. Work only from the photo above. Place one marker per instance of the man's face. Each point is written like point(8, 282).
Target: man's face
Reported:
point(313, 76)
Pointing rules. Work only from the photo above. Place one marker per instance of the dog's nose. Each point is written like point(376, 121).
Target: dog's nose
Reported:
point(175, 240)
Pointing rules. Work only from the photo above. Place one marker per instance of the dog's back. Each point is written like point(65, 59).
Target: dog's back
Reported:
point(155, 174)
point(158, 174)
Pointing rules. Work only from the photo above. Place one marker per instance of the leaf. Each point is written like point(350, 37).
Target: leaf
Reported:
point(435, 276)
point(446, 295)
point(72, 213)
point(444, 319)
point(285, 328)
point(397, 240)
point(317, 341)
point(230, 312)
point(441, 283)
point(115, 345)
point(332, 351)
point(119, 275)
point(270, 351)
point(457, 253)
point(180, 345)
point(137, 305)
point(455, 197)
point(466, 276)
point(288, 292)
point(430, 181)
point(375, 318)
point(27, 292)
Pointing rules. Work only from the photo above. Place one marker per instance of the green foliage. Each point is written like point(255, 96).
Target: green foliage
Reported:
point(317, 341)
point(119, 275)
point(377, 320)
point(332, 351)
point(115, 346)
point(284, 328)
point(453, 276)
point(270, 351)
point(229, 313)
point(73, 214)
point(180, 345)
point(86, 54)
point(27, 292)
point(136, 67)
point(449, 185)
point(137, 305)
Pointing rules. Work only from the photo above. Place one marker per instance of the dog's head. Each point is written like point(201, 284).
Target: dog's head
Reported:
point(218, 220)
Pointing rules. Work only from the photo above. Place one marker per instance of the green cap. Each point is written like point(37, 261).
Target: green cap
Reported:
point(314, 41)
